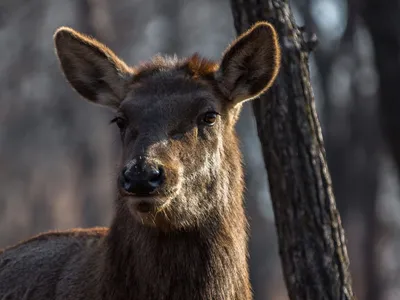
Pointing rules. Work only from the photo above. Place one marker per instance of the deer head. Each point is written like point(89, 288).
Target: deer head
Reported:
point(181, 163)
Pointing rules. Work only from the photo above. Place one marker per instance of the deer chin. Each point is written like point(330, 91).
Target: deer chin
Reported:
point(150, 211)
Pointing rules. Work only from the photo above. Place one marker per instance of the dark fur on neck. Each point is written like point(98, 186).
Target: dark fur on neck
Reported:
point(204, 263)
point(199, 265)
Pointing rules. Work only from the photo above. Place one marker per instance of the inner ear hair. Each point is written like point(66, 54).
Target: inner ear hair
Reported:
point(91, 68)
point(250, 64)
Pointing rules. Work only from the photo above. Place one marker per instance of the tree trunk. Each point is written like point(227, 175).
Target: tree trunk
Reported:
point(310, 235)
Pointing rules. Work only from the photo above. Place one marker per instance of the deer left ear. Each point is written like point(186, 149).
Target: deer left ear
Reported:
point(251, 64)
point(91, 68)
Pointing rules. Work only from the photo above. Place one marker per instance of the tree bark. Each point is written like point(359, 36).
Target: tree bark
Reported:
point(310, 235)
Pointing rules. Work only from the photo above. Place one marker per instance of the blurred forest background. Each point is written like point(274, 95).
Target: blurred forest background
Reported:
point(58, 154)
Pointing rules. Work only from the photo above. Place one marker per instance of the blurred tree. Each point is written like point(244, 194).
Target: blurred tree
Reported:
point(381, 19)
point(262, 242)
point(310, 236)
point(352, 141)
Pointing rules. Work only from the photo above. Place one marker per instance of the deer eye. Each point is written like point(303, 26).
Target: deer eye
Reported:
point(121, 123)
point(209, 118)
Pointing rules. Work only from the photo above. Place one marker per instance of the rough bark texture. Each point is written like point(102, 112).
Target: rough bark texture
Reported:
point(310, 235)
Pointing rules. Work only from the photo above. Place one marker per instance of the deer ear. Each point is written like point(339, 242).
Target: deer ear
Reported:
point(92, 69)
point(250, 65)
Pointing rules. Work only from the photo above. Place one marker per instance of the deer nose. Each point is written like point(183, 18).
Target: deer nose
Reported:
point(141, 178)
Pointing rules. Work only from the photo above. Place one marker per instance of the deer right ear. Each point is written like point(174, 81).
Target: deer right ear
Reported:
point(251, 64)
point(92, 69)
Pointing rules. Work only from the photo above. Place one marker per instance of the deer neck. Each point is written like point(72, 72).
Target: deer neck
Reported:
point(145, 263)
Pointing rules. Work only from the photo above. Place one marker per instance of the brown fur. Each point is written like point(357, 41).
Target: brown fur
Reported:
point(192, 245)
point(85, 233)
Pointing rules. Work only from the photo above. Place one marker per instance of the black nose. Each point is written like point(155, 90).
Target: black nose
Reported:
point(141, 178)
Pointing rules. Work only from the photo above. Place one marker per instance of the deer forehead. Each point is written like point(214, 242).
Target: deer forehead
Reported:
point(167, 95)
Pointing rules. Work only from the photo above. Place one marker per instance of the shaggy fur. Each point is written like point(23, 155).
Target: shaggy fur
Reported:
point(192, 245)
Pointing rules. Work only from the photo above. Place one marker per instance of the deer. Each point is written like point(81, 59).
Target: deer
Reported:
point(179, 229)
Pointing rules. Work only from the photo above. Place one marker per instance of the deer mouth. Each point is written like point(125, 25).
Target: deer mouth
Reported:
point(150, 211)
point(145, 205)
